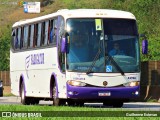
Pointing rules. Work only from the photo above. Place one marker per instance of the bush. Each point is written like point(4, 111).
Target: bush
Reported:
point(4, 49)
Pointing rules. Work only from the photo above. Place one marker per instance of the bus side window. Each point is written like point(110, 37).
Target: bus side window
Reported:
point(22, 38)
point(31, 35)
point(17, 44)
point(46, 32)
point(35, 35)
point(25, 39)
point(52, 34)
point(43, 34)
point(49, 30)
point(14, 38)
point(39, 34)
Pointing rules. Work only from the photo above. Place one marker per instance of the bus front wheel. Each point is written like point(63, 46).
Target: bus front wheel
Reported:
point(57, 101)
point(118, 104)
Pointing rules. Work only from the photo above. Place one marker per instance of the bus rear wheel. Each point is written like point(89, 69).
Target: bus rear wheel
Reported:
point(34, 101)
point(24, 99)
point(57, 101)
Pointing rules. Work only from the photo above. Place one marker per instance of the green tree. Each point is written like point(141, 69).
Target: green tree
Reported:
point(4, 49)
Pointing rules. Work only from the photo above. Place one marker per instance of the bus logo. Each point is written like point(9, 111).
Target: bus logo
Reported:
point(105, 83)
point(27, 61)
point(34, 59)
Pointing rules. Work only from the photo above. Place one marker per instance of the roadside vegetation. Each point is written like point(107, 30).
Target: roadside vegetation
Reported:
point(8, 95)
point(146, 12)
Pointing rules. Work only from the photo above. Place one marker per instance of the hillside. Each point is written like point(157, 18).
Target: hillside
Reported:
point(146, 12)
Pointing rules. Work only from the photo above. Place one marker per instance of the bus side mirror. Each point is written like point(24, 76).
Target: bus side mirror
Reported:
point(145, 47)
point(64, 45)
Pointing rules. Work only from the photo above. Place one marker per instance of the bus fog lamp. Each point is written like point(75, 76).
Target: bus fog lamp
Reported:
point(136, 93)
point(72, 93)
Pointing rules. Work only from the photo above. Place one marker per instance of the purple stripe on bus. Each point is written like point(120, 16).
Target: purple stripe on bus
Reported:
point(92, 92)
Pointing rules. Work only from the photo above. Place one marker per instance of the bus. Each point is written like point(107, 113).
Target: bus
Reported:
point(66, 57)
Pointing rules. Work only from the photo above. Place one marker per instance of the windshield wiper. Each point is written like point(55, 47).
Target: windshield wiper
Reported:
point(107, 57)
point(94, 62)
point(115, 64)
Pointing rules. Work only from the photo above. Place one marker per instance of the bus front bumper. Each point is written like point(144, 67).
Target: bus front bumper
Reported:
point(74, 92)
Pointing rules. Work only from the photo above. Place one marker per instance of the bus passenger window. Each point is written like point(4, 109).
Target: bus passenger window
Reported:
point(43, 34)
point(25, 41)
point(53, 30)
point(14, 38)
point(46, 32)
point(22, 38)
point(50, 32)
point(35, 35)
point(39, 34)
point(31, 35)
point(17, 42)
point(49, 29)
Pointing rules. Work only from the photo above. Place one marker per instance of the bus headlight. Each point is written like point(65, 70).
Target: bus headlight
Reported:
point(76, 83)
point(132, 84)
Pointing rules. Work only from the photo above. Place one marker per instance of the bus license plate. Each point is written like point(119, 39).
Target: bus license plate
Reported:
point(104, 94)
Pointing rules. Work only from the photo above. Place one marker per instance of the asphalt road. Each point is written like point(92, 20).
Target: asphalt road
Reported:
point(131, 105)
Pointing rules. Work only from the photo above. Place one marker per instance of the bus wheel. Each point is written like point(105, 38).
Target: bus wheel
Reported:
point(71, 103)
point(107, 104)
point(57, 101)
point(34, 101)
point(24, 99)
point(118, 104)
point(80, 104)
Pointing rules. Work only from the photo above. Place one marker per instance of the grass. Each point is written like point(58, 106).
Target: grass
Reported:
point(152, 100)
point(8, 94)
point(86, 113)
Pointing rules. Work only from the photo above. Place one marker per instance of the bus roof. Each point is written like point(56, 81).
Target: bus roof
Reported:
point(80, 13)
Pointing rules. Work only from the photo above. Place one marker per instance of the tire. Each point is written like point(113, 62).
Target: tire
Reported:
point(118, 104)
point(107, 104)
point(71, 103)
point(1, 94)
point(36, 101)
point(57, 101)
point(80, 104)
point(33, 101)
point(24, 99)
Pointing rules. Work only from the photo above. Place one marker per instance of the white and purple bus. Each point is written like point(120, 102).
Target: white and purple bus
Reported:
point(68, 56)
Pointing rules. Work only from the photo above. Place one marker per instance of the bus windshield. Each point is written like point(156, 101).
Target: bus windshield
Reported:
point(95, 43)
